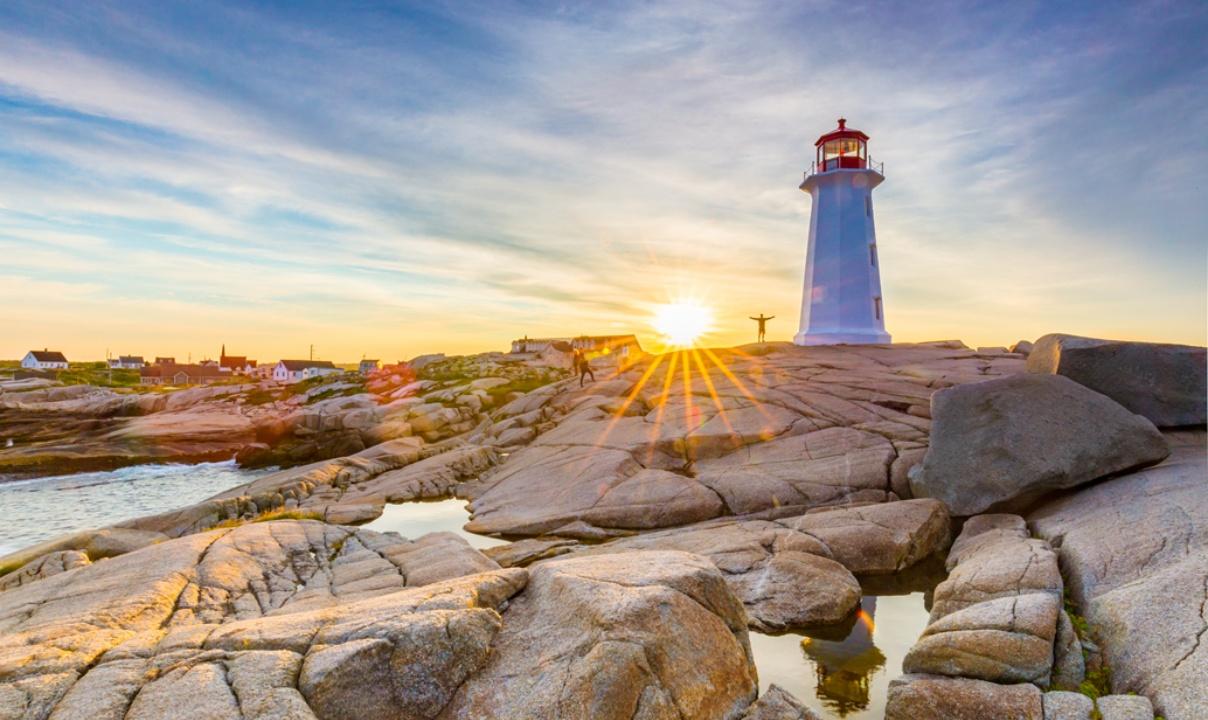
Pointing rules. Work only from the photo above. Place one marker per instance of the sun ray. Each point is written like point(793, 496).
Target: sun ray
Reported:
point(637, 388)
point(690, 410)
point(717, 403)
point(736, 382)
point(662, 405)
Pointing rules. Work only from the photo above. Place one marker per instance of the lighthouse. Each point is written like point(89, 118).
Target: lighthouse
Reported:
point(841, 302)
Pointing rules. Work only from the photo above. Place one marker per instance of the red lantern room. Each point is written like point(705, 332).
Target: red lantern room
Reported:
point(842, 148)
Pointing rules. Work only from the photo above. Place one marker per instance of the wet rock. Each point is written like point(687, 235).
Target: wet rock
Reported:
point(1165, 383)
point(1003, 443)
point(778, 704)
point(914, 697)
point(653, 634)
point(1062, 705)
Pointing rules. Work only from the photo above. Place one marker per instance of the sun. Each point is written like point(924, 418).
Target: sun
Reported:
point(682, 323)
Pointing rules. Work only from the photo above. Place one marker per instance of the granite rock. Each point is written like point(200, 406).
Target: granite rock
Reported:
point(1003, 443)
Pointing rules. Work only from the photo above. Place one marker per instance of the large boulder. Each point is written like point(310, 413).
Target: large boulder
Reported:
point(1166, 383)
point(1135, 552)
point(647, 635)
point(1003, 443)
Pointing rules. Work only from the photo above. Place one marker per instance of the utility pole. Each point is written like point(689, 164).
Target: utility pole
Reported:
point(312, 351)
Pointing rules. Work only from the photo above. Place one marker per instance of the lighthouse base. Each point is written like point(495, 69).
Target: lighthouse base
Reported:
point(869, 338)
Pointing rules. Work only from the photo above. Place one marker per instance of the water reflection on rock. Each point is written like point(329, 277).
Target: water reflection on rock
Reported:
point(843, 668)
point(843, 671)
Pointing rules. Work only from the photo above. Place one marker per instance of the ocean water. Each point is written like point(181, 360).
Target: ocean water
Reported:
point(41, 508)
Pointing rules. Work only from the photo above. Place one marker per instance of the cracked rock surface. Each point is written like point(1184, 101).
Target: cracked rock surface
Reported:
point(298, 619)
point(1135, 551)
point(692, 436)
point(996, 616)
point(792, 571)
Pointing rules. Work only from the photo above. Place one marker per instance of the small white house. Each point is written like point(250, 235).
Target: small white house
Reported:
point(289, 371)
point(127, 362)
point(368, 366)
point(44, 360)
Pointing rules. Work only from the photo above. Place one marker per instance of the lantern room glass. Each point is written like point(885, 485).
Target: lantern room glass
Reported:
point(842, 153)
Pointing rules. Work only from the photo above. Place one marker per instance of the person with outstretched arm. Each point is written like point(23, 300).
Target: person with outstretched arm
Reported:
point(763, 325)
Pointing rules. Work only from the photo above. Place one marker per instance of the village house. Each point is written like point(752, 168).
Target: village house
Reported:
point(297, 370)
point(236, 364)
point(623, 347)
point(44, 360)
point(164, 361)
point(126, 362)
point(367, 366)
point(172, 374)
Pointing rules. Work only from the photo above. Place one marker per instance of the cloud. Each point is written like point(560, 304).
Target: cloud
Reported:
point(429, 178)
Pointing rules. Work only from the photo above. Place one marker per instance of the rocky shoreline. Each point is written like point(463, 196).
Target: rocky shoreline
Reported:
point(657, 517)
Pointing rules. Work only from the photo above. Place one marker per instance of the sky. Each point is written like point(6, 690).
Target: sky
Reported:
point(386, 180)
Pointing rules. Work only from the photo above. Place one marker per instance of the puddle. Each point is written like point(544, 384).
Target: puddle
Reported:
point(845, 675)
point(412, 519)
point(843, 671)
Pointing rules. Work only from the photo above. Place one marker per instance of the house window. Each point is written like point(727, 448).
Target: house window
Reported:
point(872, 254)
point(876, 306)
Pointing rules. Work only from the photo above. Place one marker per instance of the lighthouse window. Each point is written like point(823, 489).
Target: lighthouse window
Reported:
point(872, 255)
point(868, 208)
point(876, 304)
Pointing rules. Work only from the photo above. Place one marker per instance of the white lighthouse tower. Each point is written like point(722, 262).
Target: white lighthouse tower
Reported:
point(842, 300)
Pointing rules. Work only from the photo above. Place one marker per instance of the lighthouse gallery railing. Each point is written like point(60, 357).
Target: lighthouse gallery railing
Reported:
point(833, 164)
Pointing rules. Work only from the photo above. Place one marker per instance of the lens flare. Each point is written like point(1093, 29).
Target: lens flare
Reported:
point(682, 323)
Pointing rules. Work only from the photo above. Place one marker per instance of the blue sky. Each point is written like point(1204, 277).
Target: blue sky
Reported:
point(397, 179)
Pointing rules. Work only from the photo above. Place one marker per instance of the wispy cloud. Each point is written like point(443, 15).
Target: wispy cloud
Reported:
point(399, 179)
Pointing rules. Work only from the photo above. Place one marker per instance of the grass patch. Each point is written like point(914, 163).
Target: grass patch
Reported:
point(1098, 682)
point(334, 393)
point(260, 396)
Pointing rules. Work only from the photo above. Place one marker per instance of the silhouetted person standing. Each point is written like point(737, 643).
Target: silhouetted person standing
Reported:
point(763, 325)
point(583, 367)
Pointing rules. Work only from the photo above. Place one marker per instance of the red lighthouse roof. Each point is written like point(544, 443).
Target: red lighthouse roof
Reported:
point(842, 132)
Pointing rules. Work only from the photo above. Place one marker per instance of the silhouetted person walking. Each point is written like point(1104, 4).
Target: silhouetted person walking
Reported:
point(763, 324)
point(583, 367)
